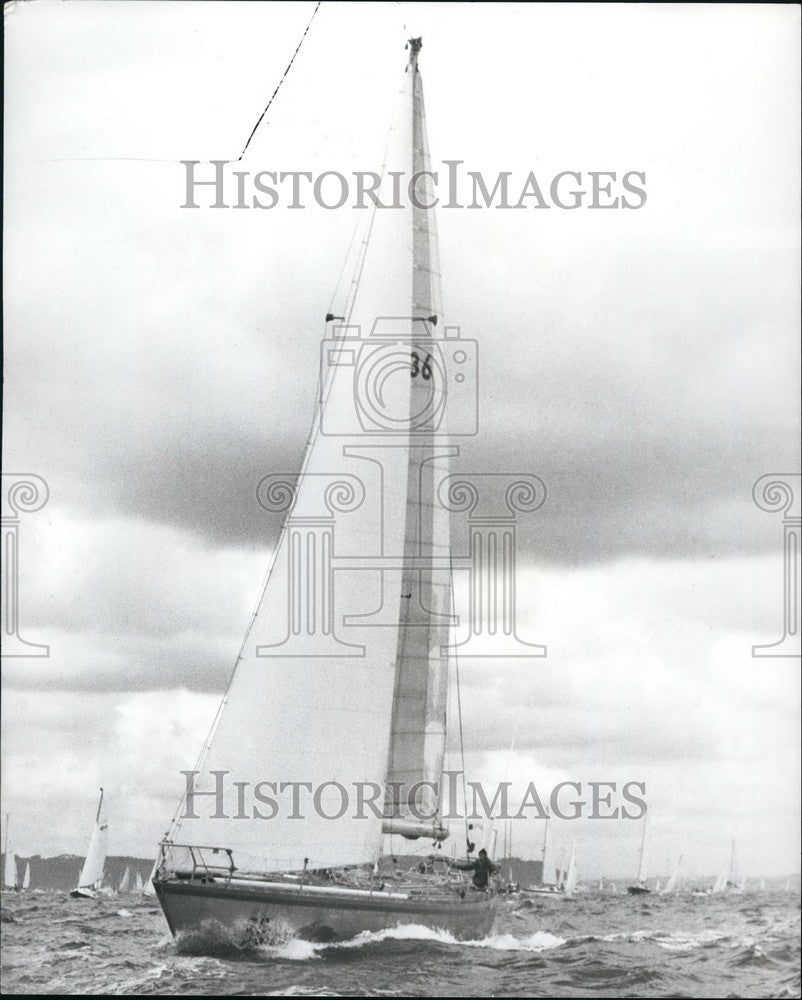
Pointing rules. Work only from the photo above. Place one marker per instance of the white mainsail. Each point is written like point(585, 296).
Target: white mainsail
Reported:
point(569, 887)
point(10, 873)
point(125, 881)
point(26, 878)
point(138, 883)
point(417, 744)
point(91, 875)
point(349, 685)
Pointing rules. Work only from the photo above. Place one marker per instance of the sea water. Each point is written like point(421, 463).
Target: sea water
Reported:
point(595, 945)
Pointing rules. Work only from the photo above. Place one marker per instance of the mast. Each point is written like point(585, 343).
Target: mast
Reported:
point(91, 875)
point(642, 858)
point(418, 733)
point(545, 845)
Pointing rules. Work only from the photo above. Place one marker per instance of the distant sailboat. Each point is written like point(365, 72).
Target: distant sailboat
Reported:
point(569, 888)
point(301, 699)
point(138, 882)
point(561, 868)
point(547, 885)
point(726, 879)
point(91, 877)
point(10, 872)
point(640, 887)
point(148, 888)
point(26, 878)
point(125, 881)
point(762, 885)
point(674, 883)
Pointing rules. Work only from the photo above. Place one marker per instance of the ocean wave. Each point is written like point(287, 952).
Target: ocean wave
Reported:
point(538, 941)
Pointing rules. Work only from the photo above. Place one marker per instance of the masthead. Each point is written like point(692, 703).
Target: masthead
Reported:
point(414, 45)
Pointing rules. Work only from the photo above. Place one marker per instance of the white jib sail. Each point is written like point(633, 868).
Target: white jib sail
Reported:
point(92, 872)
point(26, 878)
point(125, 881)
point(310, 707)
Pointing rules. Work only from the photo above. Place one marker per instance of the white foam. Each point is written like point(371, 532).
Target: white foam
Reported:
point(676, 941)
point(539, 941)
point(295, 950)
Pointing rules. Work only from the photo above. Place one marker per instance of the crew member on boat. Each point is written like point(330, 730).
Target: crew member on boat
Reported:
point(482, 869)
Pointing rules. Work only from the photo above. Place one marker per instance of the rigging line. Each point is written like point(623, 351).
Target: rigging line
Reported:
point(350, 298)
point(104, 159)
point(459, 714)
point(146, 159)
point(278, 85)
point(347, 257)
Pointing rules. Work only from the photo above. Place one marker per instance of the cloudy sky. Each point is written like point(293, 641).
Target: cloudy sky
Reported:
point(159, 361)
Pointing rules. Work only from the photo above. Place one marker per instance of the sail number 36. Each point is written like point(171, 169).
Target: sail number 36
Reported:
point(419, 368)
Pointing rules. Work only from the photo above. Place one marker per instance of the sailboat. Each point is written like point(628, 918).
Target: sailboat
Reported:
point(674, 883)
point(26, 878)
point(349, 687)
point(10, 872)
point(726, 879)
point(569, 886)
point(148, 888)
point(91, 877)
point(125, 881)
point(138, 883)
point(639, 888)
point(546, 886)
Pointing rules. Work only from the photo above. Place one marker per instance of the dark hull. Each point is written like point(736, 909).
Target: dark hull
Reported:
point(638, 890)
point(256, 912)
